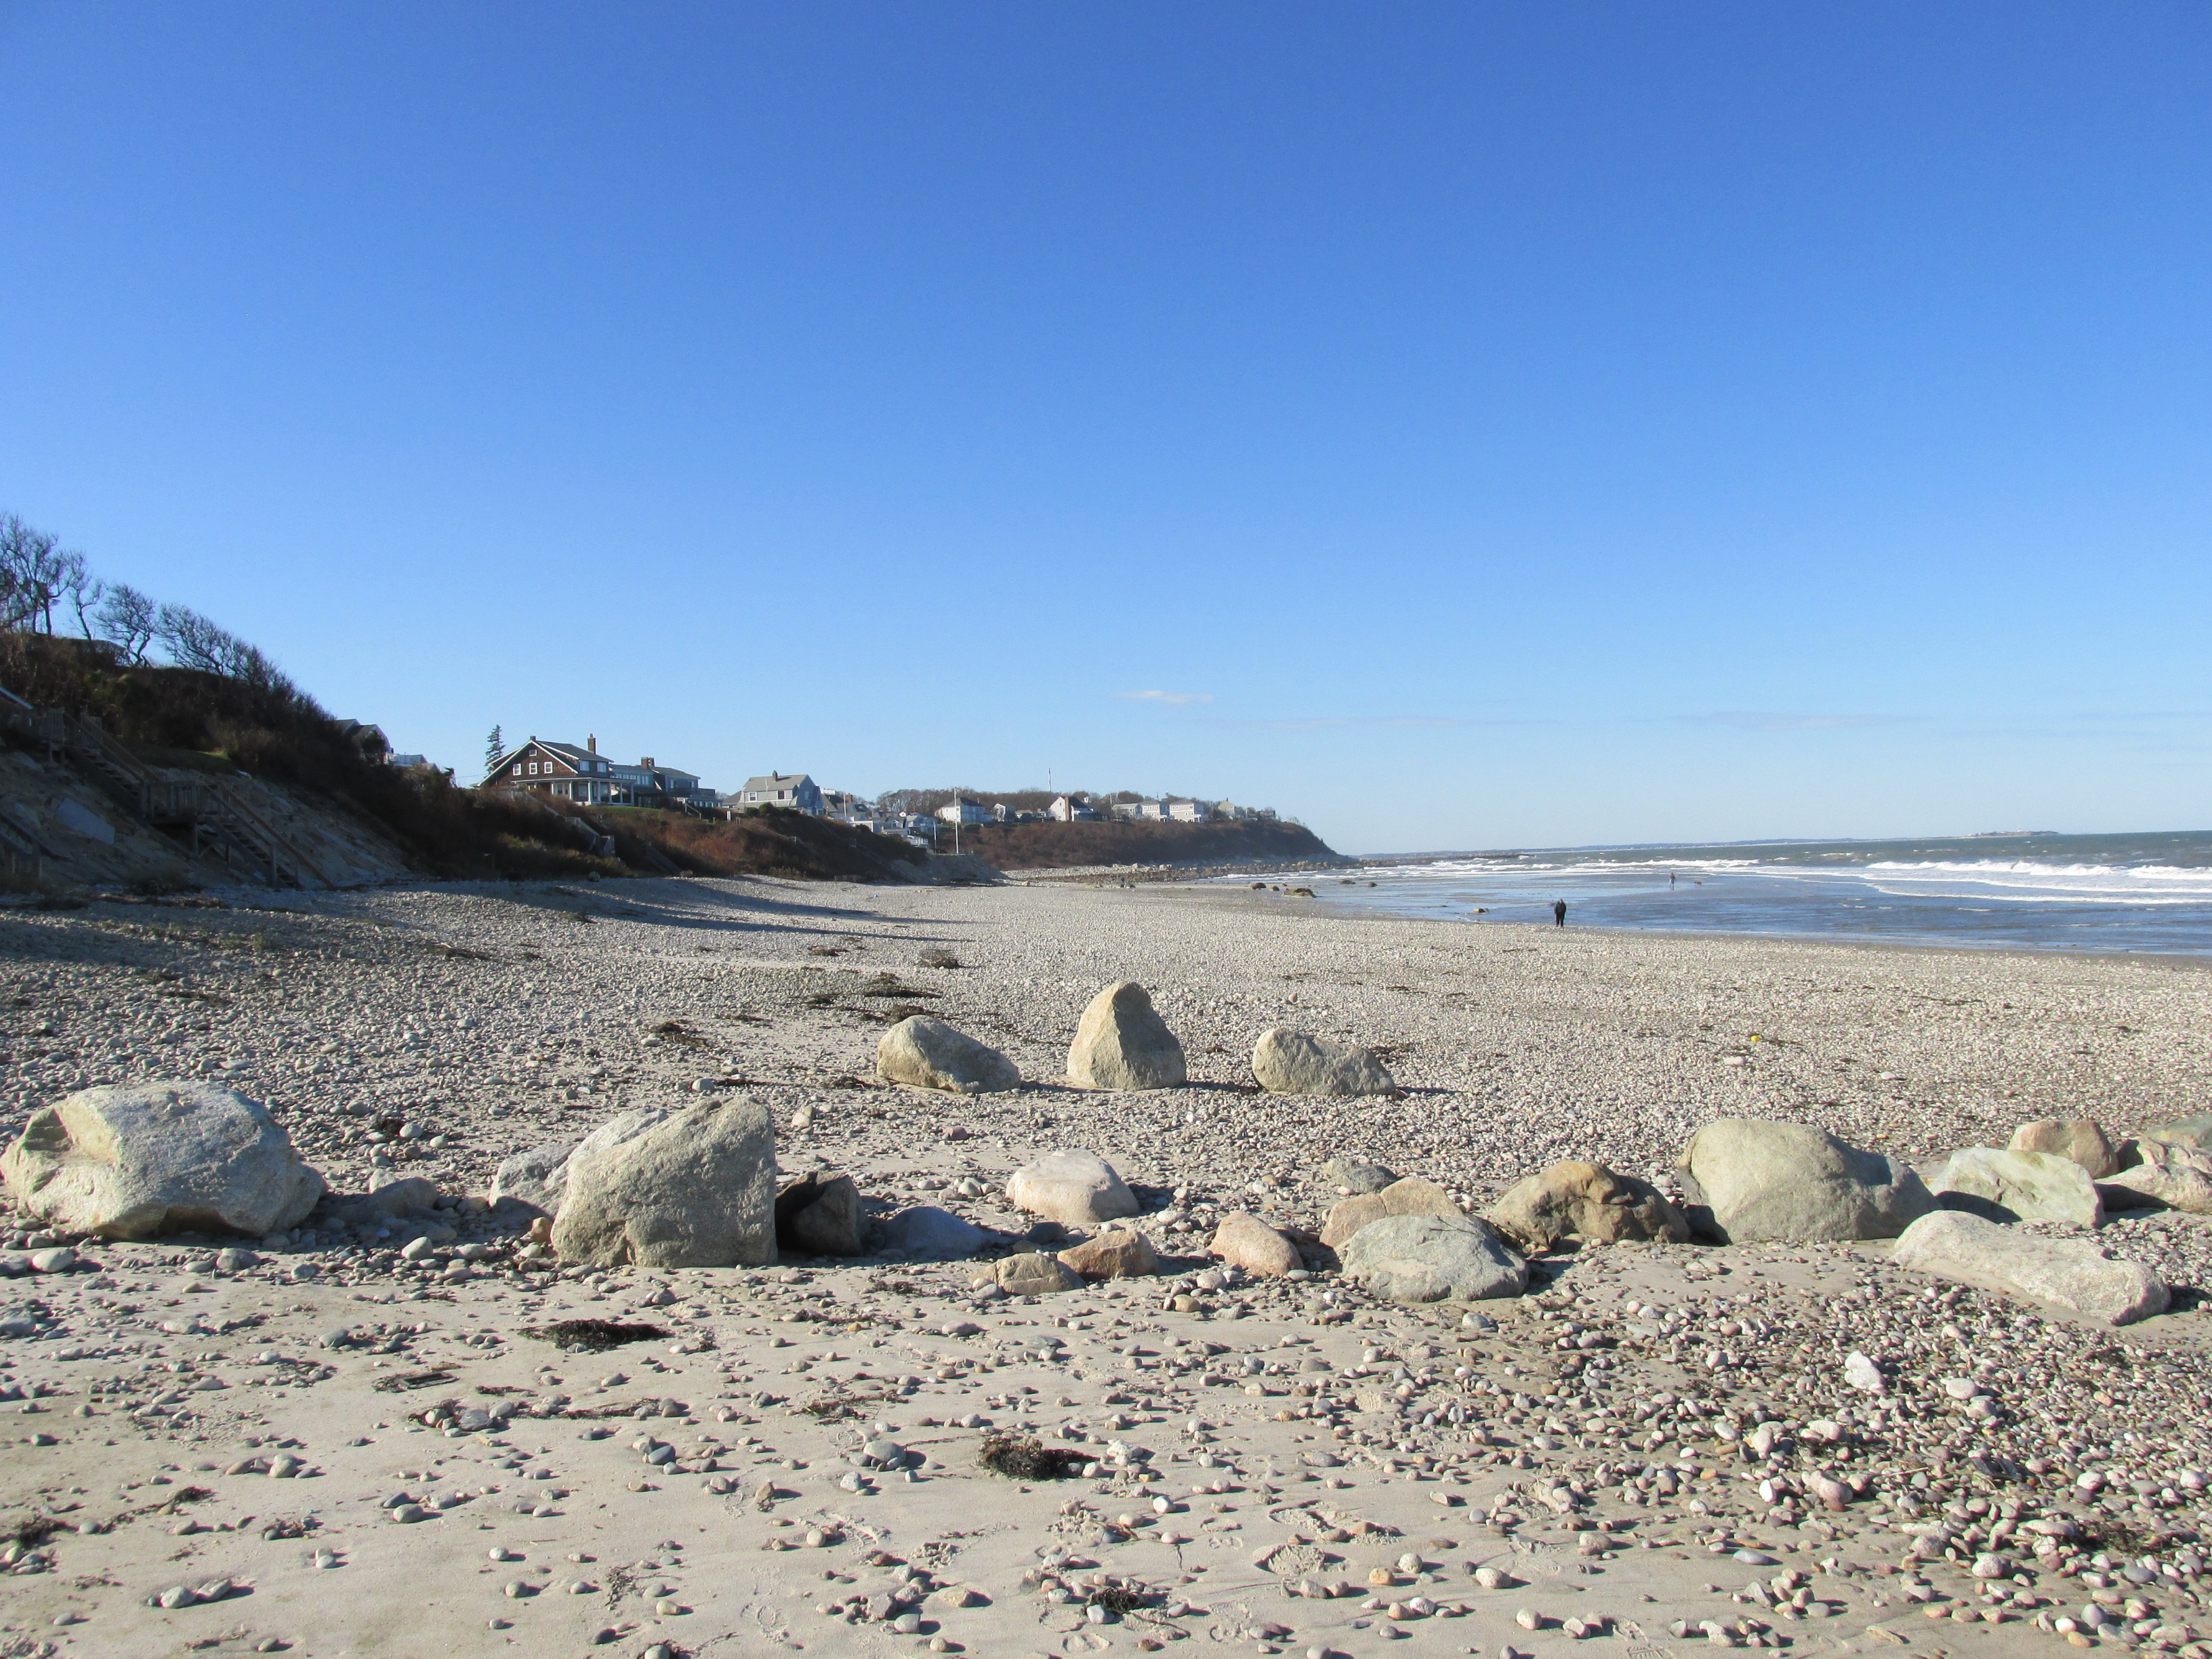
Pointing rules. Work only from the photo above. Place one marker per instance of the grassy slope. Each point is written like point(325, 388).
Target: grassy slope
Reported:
point(1064, 845)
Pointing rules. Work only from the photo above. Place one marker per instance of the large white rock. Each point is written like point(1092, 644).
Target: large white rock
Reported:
point(131, 1161)
point(1076, 1189)
point(1790, 1183)
point(2009, 1186)
point(927, 1053)
point(681, 1187)
point(1295, 1063)
point(1123, 1043)
point(2071, 1274)
point(1426, 1258)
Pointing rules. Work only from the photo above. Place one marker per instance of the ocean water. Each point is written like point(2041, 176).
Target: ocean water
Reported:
point(2149, 892)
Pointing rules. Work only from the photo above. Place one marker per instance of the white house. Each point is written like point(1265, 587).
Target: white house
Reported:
point(961, 810)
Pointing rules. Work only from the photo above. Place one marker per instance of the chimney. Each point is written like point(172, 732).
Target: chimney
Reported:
point(591, 743)
point(647, 762)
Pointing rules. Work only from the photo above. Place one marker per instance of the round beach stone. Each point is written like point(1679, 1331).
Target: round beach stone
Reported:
point(1075, 1188)
point(923, 1053)
point(1425, 1258)
point(1297, 1063)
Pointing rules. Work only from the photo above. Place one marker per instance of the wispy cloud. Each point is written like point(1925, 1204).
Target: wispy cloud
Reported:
point(1368, 722)
point(1176, 698)
point(1745, 719)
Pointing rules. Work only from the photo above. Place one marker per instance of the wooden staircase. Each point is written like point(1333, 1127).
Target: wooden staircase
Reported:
point(209, 814)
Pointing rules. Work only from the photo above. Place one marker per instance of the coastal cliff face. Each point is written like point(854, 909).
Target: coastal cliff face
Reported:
point(1070, 846)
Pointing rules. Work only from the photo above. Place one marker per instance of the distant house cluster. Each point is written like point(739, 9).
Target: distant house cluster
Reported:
point(566, 771)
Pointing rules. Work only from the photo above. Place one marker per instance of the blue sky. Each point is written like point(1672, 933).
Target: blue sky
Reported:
point(1456, 425)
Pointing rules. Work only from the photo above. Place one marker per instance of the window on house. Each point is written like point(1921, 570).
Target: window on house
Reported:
point(518, 768)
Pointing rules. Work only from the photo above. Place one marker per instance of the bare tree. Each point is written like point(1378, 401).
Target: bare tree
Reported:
point(31, 574)
point(128, 618)
point(192, 641)
point(81, 588)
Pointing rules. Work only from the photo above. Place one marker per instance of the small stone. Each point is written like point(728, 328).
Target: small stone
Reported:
point(1862, 1374)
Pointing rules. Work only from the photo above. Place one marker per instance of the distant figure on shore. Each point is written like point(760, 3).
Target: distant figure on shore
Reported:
point(1671, 880)
point(1559, 912)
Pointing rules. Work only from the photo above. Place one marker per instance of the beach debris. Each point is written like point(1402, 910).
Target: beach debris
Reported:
point(1116, 1253)
point(693, 1188)
point(1426, 1258)
point(923, 1053)
point(1020, 1458)
point(1075, 1188)
point(1574, 1200)
point(1123, 1043)
point(1790, 1183)
point(819, 1215)
point(1288, 1062)
point(2009, 1186)
point(2077, 1137)
point(135, 1161)
point(593, 1335)
point(1242, 1240)
point(2070, 1273)
point(1409, 1196)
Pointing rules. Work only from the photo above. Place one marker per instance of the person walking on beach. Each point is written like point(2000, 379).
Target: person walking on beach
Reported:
point(1559, 912)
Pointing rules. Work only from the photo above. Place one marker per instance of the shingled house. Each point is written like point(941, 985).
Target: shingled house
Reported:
point(561, 770)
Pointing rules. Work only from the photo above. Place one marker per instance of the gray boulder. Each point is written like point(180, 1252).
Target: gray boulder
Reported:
point(815, 1215)
point(2193, 1133)
point(923, 1053)
point(1029, 1273)
point(2166, 1176)
point(1297, 1063)
point(927, 1232)
point(1425, 1258)
point(2076, 1137)
point(691, 1188)
point(1076, 1189)
point(2071, 1274)
point(1411, 1196)
point(391, 1192)
point(1356, 1176)
point(2009, 1186)
point(134, 1161)
point(1792, 1183)
point(1123, 1043)
point(534, 1177)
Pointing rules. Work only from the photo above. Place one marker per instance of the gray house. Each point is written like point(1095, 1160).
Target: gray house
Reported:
point(793, 790)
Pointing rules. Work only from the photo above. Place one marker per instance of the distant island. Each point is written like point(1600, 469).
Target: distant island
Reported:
point(1998, 834)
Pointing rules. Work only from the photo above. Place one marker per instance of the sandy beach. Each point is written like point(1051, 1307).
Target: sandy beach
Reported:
point(1282, 1466)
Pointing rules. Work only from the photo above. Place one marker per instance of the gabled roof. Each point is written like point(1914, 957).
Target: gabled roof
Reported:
point(775, 781)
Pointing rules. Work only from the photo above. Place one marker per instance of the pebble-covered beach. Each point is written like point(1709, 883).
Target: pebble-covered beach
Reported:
point(415, 1433)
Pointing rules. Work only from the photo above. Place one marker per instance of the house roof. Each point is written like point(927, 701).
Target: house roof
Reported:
point(775, 781)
